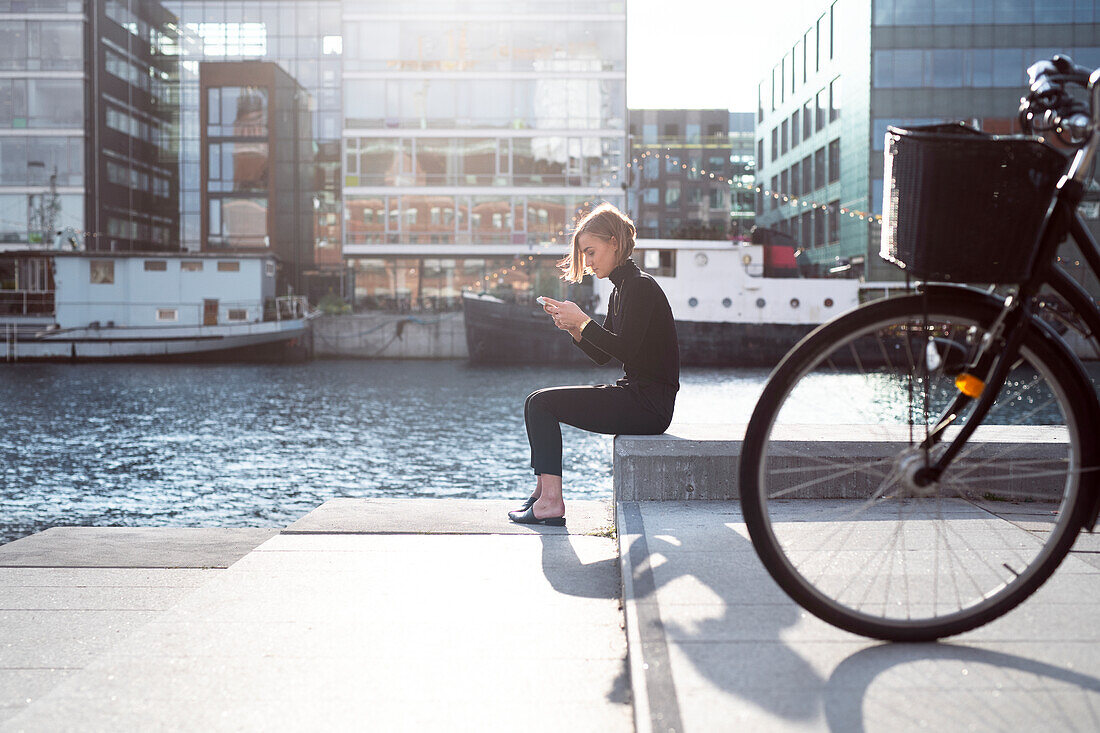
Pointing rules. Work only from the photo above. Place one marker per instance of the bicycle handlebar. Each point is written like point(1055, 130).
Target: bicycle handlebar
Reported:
point(1049, 106)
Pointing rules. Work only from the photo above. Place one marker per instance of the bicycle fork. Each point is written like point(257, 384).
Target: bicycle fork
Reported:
point(981, 379)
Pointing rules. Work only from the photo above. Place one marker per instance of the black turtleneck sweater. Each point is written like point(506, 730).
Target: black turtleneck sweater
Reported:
point(638, 331)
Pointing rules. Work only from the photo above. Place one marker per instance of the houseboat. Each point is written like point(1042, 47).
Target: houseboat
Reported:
point(91, 306)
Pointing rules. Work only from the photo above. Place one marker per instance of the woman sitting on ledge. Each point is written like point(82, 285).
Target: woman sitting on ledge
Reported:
point(638, 331)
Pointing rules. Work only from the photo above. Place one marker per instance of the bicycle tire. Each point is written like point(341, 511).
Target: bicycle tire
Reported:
point(917, 596)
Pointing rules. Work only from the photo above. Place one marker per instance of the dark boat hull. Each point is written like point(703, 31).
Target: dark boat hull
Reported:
point(505, 333)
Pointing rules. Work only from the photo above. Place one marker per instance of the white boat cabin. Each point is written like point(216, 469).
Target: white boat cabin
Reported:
point(128, 290)
point(728, 282)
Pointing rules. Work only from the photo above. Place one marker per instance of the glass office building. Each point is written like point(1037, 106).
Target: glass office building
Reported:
point(87, 125)
point(677, 197)
point(42, 120)
point(474, 135)
point(303, 37)
point(866, 64)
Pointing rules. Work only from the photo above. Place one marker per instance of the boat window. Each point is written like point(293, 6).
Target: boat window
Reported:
point(191, 266)
point(167, 314)
point(659, 262)
point(237, 314)
point(231, 266)
point(156, 265)
point(102, 272)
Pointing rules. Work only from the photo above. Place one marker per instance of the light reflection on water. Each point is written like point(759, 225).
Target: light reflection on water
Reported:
point(255, 445)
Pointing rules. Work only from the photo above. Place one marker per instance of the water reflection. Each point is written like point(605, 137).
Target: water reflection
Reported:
point(247, 445)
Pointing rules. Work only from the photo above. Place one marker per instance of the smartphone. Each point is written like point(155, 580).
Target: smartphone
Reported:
point(540, 300)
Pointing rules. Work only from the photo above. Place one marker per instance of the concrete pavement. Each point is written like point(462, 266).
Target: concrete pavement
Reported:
point(370, 615)
point(716, 645)
point(439, 615)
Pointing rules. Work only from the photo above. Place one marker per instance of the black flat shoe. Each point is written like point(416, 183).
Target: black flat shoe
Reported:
point(526, 505)
point(528, 517)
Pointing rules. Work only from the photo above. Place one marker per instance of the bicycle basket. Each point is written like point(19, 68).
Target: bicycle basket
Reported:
point(964, 206)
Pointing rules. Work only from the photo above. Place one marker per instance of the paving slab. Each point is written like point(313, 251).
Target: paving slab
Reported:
point(449, 516)
point(359, 619)
point(716, 645)
point(133, 547)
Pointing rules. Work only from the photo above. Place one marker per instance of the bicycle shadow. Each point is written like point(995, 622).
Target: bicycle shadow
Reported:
point(731, 619)
point(888, 686)
point(737, 629)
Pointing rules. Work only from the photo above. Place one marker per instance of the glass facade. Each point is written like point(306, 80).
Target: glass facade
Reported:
point(42, 48)
point(133, 190)
point(895, 62)
point(984, 12)
point(688, 195)
point(304, 38)
point(474, 136)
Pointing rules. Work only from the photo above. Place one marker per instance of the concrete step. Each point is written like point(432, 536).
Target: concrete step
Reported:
point(700, 461)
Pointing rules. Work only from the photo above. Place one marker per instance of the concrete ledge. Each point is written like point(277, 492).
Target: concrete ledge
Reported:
point(701, 461)
point(443, 516)
point(133, 547)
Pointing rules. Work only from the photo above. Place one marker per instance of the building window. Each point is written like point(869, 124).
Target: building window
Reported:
point(834, 222)
point(834, 161)
point(659, 262)
point(229, 266)
point(820, 117)
point(168, 314)
point(796, 178)
point(102, 272)
point(156, 265)
point(760, 152)
point(795, 129)
point(772, 192)
point(237, 314)
point(817, 45)
point(717, 200)
point(819, 168)
point(672, 194)
point(191, 266)
point(783, 134)
point(834, 99)
point(651, 196)
point(819, 228)
point(832, 18)
point(783, 181)
point(807, 174)
point(269, 269)
point(807, 121)
point(808, 229)
point(760, 102)
point(775, 143)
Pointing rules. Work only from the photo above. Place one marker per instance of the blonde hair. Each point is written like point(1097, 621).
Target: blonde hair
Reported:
point(606, 222)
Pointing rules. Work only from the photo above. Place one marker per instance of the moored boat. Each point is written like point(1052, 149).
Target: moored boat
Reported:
point(735, 304)
point(94, 306)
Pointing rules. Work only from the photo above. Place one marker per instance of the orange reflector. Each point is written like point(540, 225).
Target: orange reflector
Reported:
point(969, 385)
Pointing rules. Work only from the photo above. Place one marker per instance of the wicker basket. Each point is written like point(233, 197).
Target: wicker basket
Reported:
point(963, 206)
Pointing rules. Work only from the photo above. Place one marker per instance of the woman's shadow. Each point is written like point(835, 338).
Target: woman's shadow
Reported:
point(742, 653)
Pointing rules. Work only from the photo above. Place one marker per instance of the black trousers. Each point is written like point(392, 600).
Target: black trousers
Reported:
point(603, 408)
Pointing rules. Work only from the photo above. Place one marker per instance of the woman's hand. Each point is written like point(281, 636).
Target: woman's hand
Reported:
point(567, 316)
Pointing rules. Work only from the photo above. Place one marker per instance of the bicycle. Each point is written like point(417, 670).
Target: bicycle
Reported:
point(975, 457)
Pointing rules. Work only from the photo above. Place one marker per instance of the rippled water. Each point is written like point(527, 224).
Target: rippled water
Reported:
point(248, 445)
point(254, 445)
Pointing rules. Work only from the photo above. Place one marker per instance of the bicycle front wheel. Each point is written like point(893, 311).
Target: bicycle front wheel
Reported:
point(829, 465)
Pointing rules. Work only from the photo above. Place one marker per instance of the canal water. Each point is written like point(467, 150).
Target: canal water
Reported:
point(259, 445)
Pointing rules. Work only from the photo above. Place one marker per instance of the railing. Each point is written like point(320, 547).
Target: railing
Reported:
point(290, 307)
